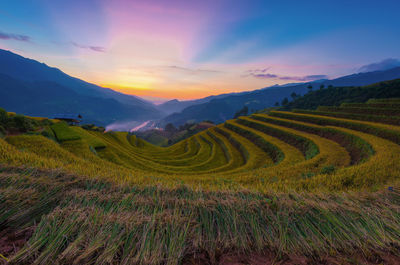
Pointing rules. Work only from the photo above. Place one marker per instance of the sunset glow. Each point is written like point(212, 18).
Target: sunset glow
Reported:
point(192, 49)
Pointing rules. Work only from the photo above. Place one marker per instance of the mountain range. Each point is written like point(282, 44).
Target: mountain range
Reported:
point(33, 88)
point(220, 109)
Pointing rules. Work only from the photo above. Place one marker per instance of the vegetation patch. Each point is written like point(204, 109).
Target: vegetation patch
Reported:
point(92, 221)
point(359, 149)
point(63, 132)
point(93, 141)
point(353, 116)
point(275, 186)
point(269, 148)
point(306, 146)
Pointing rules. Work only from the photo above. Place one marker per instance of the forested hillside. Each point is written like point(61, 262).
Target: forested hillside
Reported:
point(334, 96)
point(219, 110)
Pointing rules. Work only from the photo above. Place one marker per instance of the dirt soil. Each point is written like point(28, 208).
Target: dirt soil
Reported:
point(11, 241)
point(268, 258)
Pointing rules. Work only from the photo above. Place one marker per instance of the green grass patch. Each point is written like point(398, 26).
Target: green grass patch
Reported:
point(91, 139)
point(64, 133)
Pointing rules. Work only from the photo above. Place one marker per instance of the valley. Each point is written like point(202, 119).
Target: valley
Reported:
point(291, 184)
point(199, 132)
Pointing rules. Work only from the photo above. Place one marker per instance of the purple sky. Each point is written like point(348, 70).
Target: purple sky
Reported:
point(190, 49)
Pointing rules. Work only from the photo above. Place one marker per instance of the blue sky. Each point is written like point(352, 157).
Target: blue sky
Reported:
point(189, 49)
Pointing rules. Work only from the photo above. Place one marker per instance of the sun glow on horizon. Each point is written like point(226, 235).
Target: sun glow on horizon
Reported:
point(163, 95)
point(191, 49)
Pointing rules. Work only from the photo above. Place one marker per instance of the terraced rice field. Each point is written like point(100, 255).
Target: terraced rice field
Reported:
point(112, 198)
point(278, 151)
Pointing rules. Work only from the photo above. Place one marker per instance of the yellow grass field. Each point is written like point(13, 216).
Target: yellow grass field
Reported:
point(315, 183)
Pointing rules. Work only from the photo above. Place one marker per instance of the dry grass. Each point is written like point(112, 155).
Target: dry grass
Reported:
point(285, 182)
point(92, 222)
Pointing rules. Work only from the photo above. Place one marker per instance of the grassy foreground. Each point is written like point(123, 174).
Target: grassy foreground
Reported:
point(80, 221)
point(303, 187)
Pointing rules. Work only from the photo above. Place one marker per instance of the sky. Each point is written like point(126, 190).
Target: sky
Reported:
point(188, 49)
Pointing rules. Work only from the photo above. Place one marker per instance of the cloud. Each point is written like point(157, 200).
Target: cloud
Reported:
point(97, 48)
point(380, 66)
point(264, 75)
point(255, 71)
point(10, 36)
point(303, 78)
point(93, 48)
point(286, 78)
point(190, 70)
point(122, 126)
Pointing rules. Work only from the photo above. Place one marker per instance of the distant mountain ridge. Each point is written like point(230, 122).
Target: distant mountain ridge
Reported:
point(175, 105)
point(220, 109)
point(44, 98)
point(33, 88)
point(47, 86)
point(30, 70)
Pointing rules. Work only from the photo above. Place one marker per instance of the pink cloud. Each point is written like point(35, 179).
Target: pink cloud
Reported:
point(93, 48)
point(10, 36)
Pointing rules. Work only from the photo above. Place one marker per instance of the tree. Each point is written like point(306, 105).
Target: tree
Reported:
point(3, 116)
point(170, 128)
point(3, 131)
point(277, 104)
point(310, 88)
point(22, 123)
point(293, 95)
point(209, 121)
point(285, 101)
point(322, 86)
point(330, 86)
point(242, 112)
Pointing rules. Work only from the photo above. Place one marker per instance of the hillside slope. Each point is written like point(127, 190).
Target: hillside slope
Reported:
point(19, 74)
point(282, 186)
point(220, 109)
point(46, 99)
point(174, 106)
point(334, 96)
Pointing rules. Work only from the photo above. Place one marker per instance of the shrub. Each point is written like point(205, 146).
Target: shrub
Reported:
point(3, 116)
point(307, 175)
point(48, 133)
point(21, 123)
point(88, 126)
point(2, 132)
point(46, 122)
point(45, 134)
point(328, 169)
point(92, 127)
